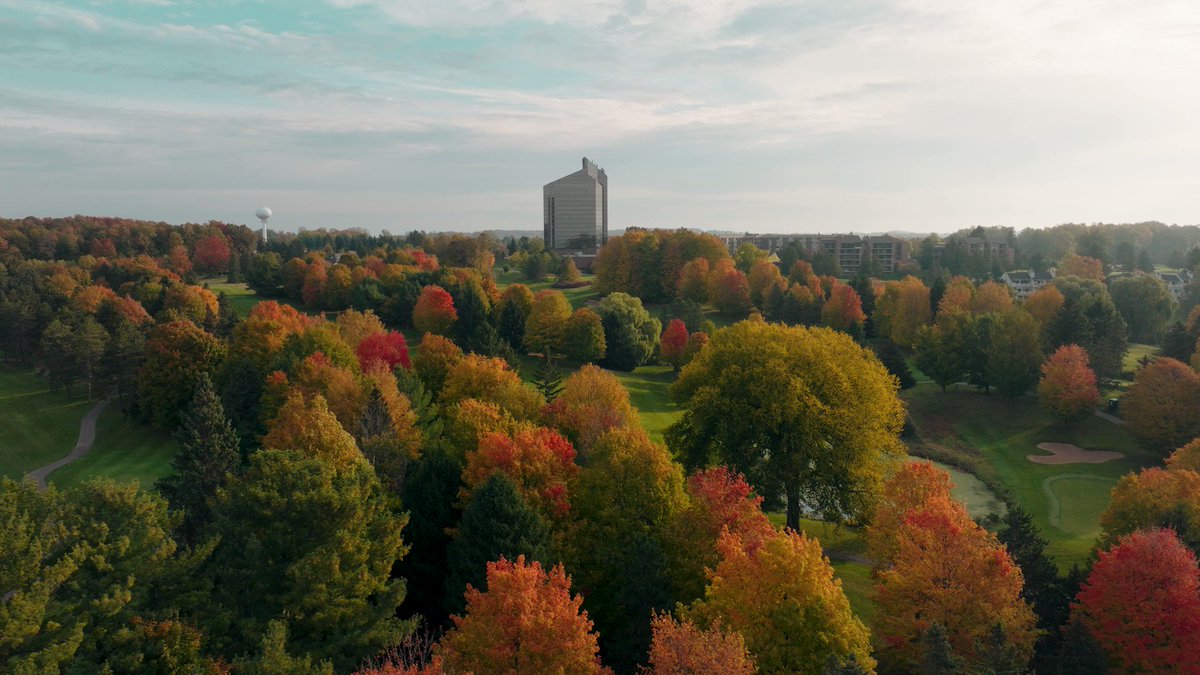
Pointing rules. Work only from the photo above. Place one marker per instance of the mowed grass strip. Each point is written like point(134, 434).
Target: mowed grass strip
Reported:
point(37, 426)
point(125, 450)
point(1065, 500)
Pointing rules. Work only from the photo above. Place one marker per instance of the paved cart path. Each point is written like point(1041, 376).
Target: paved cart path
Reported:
point(87, 435)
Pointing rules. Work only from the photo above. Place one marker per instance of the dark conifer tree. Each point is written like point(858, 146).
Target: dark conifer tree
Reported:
point(1178, 343)
point(421, 399)
point(496, 523)
point(548, 379)
point(1080, 654)
point(940, 658)
point(428, 496)
point(511, 326)
point(892, 359)
point(208, 454)
point(241, 398)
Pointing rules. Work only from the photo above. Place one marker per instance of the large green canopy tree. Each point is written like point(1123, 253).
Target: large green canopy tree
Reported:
point(802, 409)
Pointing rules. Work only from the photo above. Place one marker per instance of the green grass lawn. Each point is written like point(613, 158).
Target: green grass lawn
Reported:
point(36, 425)
point(1065, 500)
point(578, 297)
point(125, 449)
point(241, 298)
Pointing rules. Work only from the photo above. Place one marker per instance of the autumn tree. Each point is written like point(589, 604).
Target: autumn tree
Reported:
point(308, 428)
point(526, 621)
point(491, 380)
point(947, 570)
point(1185, 458)
point(592, 402)
point(630, 333)
point(497, 523)
point(1141, 603)
point(388, 349)
point(208, 455)
point(843, 309)
point(1162, 408)
point(317, 540)
point(762, 276)
point(1014, 352)
point(1044, 303)
point(728, 289)
point(175, 357)
point(679, 648)
point(1155, 498)
point(902, 309)
point(355, 326)
point(261, 336)
point(785, 601)
point(547, 322)
point(693, 281)
point(719, 500)
point(991, 297)
point(673, 342)
point(1067, 389)
point(1089, 319)
point(434, 311)
point(908, 488)
point(583, 338)
point(1082, 267)
point(540, 462)
point(211, 254)
point(435, 357)
point(750, 400)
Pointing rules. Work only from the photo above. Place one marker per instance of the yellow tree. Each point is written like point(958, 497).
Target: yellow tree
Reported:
point(309, 429)
point(490, 379)
point(1154, 497)
point(991, 297)
point(679, 648)
point(903, 309)
point(802, 408)
point(592, 402)
point(1044, 304)
point(783, 598)
point(547, 322)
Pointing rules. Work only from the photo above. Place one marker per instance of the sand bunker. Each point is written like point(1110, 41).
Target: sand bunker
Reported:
point(1065, 453)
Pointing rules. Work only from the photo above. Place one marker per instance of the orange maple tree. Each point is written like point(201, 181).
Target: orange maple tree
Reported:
point(843, 308)
point(1067, 389)
point(948, 571)
point(906, 490)
point(679, 648)
point(1141, 603)
point(526, 621)
point(592, 401)
point(434, 311)
point(1162, 408)
point(538, 460)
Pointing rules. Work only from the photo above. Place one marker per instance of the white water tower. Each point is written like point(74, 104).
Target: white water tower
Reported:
point(263, 214)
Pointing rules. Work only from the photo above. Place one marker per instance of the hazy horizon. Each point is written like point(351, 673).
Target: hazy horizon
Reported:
point(745, 115)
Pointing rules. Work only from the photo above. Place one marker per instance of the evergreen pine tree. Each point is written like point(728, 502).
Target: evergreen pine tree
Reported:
point(428, 496)
point(940, 658)
point(850, 666)
point(227, 318)
point(496, 523)
point(1178, 343)
point(208, 453)
point(511, 325)
point(1044, 590)
point(893, 360)
point(999, 655)
point(241, 397)
point(548, 379)
point(1080, 654)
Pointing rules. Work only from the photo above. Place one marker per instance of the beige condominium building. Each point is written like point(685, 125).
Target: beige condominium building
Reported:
point(575, 210)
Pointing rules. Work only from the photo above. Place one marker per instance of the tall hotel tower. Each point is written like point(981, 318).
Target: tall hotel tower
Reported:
point(575, 209)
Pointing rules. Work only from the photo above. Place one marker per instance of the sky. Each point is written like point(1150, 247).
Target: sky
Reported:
point(743, 115)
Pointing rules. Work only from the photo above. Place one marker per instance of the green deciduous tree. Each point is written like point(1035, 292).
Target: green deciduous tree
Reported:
point(630, 332)
point(805, 409)
point(1014, 352)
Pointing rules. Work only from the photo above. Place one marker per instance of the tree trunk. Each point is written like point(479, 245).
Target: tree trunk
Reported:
point(793, 504)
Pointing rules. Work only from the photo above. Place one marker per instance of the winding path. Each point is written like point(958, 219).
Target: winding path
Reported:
point(87, 435)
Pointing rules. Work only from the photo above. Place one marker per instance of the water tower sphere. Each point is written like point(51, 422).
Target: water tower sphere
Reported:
point(263, 213)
